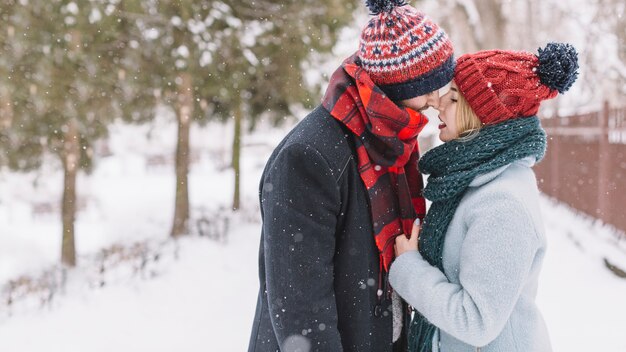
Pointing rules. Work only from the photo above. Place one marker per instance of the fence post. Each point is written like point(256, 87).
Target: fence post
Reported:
point(554, 156)
point(603, 166)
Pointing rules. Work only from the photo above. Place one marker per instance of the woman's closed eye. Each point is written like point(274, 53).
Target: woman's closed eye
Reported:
point(453, 94)
point(449, 98)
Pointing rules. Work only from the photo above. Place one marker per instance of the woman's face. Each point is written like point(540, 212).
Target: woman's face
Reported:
point(447, 114)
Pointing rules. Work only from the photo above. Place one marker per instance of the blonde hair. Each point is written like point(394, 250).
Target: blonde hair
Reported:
point(467, 123)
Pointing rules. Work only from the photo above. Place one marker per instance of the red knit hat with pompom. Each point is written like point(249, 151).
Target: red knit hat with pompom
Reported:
point(501, 85)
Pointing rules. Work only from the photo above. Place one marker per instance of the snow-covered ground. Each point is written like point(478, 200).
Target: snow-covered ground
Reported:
point(205, 299)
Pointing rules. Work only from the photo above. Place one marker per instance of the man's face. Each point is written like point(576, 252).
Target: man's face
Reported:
point(422, 102)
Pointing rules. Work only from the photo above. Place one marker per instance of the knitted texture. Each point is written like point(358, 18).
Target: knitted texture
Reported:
point(385, 137)
point(405, 53)
point(501, 85)
point(452, 167)
point(558, 66)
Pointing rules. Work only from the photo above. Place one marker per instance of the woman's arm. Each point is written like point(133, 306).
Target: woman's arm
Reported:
point(496, 257)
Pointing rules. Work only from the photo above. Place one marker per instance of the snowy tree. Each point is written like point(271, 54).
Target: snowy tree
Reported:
point(62, 86)
point(261, 48)
point(70, 69)
point(174, 46)
point(230, 60)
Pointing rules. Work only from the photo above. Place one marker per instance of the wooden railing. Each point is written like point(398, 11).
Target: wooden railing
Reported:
point(585, 165)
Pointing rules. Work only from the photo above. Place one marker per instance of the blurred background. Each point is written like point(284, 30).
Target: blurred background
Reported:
point(133, 134)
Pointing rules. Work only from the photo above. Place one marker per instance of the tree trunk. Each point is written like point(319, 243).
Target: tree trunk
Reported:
point(532, 17)
point(70, 159)
point(466, 34)
point(237, 156)
point(6, 109)
point(604, 170)
point(493, 21)
point(184, 113)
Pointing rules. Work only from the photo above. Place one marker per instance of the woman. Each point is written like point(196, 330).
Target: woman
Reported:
point(472, 274)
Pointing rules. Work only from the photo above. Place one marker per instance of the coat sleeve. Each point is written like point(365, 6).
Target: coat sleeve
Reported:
point(496, 258)
point(301, 201)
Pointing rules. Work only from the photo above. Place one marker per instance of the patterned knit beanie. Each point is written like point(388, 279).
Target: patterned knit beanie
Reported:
point(501, 85)
point(405, 54)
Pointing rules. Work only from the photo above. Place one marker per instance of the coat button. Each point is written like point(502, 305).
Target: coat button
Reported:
point(378, 310)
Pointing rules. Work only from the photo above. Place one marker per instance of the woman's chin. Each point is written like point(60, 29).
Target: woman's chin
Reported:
point(443, 136)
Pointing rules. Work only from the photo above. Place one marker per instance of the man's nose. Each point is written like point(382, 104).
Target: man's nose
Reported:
point(433, 99)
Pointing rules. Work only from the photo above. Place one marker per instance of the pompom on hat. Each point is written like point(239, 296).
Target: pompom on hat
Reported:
point(501, 85)
point(404, 53)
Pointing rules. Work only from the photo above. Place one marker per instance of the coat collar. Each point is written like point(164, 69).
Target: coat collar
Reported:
point(482, 179)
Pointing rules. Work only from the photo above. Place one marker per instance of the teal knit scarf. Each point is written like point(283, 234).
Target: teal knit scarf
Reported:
point(452, 166)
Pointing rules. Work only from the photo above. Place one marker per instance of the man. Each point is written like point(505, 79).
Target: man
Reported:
point(342, 185)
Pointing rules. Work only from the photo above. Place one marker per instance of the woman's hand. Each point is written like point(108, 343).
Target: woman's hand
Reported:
point(404, 244)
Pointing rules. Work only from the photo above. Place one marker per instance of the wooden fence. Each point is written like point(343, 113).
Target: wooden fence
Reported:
point(585, 165)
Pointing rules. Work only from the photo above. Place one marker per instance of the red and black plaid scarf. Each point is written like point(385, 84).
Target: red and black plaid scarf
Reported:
point(385, 137)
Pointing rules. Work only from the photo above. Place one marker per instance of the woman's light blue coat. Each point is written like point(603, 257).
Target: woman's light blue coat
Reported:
point(492, 257)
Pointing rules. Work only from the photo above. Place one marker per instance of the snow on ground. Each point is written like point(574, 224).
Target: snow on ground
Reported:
point(582, 301)
point(205, 300)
